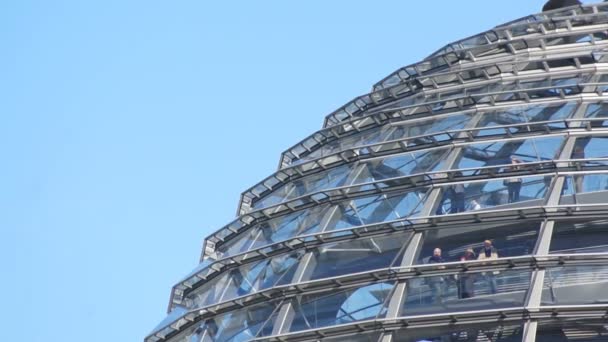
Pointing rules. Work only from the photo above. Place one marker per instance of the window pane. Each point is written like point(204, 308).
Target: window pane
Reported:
point(466, 292)
point(320, 310)
point(575, 285)
point(508, 239)
point(358, 256)
point(567, 330)
point(508, 193)
point(581, 236)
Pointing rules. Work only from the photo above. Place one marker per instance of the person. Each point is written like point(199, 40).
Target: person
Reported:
point(457, 196)
point(436, 283)
point(488, 252)
point(514, 184)
point(466, 283)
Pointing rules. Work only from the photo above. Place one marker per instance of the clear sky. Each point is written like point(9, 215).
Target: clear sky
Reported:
point(129, 129)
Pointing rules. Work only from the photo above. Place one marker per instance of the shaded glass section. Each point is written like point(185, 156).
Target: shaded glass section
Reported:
point(580, 236)
point(411, 128)
point(509, 240)
point(357, 256)
point(466, 333)
point(347, 306)
point(466, 291)
point(346, 214)
point(368, 171)
point(508, 193)
point(575, 285)
point(573, 331)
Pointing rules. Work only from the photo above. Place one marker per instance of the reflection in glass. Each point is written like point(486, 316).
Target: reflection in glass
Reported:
point(483, 290)
point(466, 333)
point(357, 256)
point(347, 306)
point(496, 194)
point(571, 330)
point(525, 114)
point(575, 285)
point(581, 236)
point(378, 169)
point(508, 152)
point(411, 128)
point(243, 325)
point(247, 279)
point(585, 189)
point(346, 214)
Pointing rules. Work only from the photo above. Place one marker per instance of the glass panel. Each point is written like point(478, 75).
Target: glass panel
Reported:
point(504, 152)
point(575, 285)
point(519, 115)
point(585, 189)
point(467, 242)
point(489, 332)
point(374, 170)
point(466, 292)
point(331, 178)
point(515, 192)
point(404, 164)
point(410, 128)
point(597, 111)
point(345, 214)
point(326, 309)
point(590, 148)
point(357, 256)
point(581, 236)
point(245, 280)
point(243, 325)
point(573, 331)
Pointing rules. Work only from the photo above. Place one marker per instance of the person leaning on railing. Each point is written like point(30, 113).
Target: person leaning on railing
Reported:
point(488, 252)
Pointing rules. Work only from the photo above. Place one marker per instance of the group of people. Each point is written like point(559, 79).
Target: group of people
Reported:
point(465, 282)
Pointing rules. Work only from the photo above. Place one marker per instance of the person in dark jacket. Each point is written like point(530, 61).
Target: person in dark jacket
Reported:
point(437, 283)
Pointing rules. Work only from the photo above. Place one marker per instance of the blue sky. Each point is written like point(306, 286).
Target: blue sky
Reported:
point(129, 129)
